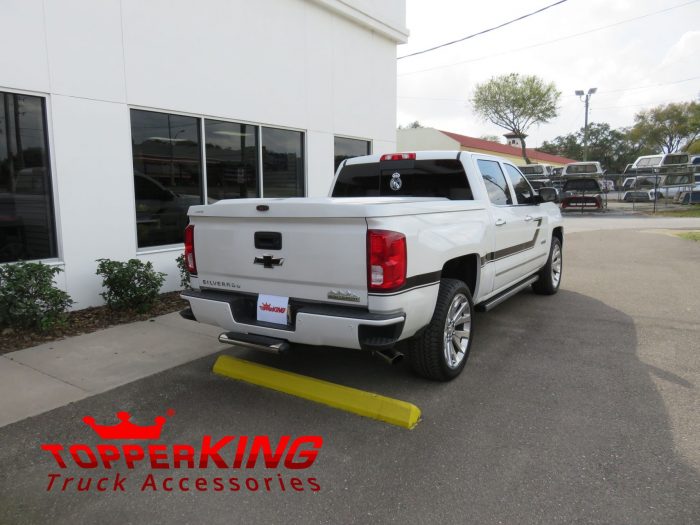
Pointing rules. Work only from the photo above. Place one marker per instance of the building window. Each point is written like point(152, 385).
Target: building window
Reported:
point(283, 163)
point(167, 174)
point(27, 226)
point(347, 148)
point(232, 160)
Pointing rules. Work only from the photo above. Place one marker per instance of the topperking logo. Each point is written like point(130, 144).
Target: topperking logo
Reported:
point(110, 466)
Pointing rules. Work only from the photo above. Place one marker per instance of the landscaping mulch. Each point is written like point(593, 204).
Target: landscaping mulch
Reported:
point(87, 321)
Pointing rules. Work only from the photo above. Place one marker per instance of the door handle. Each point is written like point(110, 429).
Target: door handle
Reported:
point(528, 218)
point(500, 222)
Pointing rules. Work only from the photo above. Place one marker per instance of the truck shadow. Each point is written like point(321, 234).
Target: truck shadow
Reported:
point(554, 414)
point(554, 420)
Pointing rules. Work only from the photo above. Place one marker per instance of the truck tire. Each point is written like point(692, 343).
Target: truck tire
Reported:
point(550, 274)
point(440, 350)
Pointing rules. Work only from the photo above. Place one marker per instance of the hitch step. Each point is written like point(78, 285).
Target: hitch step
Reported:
point(255, 342)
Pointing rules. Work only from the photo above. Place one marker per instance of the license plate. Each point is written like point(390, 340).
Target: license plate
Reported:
point(273, 309)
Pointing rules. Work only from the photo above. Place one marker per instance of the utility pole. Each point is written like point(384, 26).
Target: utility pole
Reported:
point(587, 96)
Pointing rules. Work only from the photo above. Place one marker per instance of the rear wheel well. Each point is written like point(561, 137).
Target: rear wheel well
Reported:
point(558, 232)
point(464, 268)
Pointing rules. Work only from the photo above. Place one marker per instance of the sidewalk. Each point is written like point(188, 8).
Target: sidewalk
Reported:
point(44, 377)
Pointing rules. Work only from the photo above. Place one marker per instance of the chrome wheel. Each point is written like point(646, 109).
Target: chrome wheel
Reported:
point(556, 264)
point(457, 329)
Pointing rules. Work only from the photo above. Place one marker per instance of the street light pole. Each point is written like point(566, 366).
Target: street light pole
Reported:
point(587, 96)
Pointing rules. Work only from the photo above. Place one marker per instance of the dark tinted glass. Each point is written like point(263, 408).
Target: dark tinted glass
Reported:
point(425, 178)
point(167, 174)
point(495, 182)
point(27, 229)
point(283, 163)
point(576, 169)
point(523, 191)
point(535, 169)
point(232, 160)
point(588, 185)
point(348, 148)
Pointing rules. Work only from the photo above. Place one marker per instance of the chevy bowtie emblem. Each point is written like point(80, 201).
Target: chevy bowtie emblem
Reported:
point(268, 261)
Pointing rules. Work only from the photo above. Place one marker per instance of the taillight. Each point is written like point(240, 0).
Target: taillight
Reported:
point(386, 260)
point(190, 261)
point(399, 156)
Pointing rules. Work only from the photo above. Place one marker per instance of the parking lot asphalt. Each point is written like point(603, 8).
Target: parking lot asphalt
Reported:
point(581, 407)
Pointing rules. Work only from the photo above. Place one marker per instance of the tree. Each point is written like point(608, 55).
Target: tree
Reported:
point(491, 138)
point(515, 102)
point(670, 127)
point(413, 125)
point(613, 148)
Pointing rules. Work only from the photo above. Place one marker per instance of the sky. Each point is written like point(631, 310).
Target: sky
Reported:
point(638, 54)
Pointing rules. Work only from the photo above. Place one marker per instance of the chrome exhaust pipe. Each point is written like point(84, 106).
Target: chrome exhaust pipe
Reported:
point(390, 355)
point(255, 342)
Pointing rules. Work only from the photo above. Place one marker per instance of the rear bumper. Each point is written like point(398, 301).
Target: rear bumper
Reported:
point(311, 324)
point(580, 201)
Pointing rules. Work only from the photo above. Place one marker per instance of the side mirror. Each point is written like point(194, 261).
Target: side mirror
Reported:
point(548, 195)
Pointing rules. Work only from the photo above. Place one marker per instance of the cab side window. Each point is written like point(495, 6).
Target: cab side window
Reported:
point(495, 182)
point(523, 190)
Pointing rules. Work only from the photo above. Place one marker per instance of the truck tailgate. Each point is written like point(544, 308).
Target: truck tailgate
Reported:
point(317, 259)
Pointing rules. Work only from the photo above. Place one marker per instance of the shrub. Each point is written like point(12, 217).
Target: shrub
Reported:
point(129, 285)
point(184, 274)
point(29, 298)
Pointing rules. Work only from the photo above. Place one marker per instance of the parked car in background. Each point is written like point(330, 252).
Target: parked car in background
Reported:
point(641, 195)
point(690, 197)
point(587, 169)
point(646, 163)
point(582, 192)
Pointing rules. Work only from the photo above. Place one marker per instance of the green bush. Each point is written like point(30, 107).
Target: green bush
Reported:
point(29, 298)
point(129, 285)
point(184, 274)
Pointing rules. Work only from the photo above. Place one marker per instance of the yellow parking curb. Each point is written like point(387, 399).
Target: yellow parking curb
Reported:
point(366, 404)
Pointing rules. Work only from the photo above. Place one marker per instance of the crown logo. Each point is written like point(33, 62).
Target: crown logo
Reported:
point(126, 429)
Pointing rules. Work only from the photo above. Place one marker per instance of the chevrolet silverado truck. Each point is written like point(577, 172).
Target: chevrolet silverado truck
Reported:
point(394, 261)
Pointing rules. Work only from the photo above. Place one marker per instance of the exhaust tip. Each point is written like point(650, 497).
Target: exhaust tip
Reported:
point(389, 356)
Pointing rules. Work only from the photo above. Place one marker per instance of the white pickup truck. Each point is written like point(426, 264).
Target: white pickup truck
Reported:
point(401, 252)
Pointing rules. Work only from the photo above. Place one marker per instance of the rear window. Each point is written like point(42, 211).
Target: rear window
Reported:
point(581, 168)
point(582, 185)
point(531, 170)
point(676, 159)
point(421, 178)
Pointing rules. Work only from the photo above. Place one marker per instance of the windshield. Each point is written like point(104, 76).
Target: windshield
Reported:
point(581, 168)
point(649, 161)
point(421, 178)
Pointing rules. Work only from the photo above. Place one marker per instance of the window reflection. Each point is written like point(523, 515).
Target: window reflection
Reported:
point(167, 174)
point(347, 148)
point(27, 229)
point(232, 160)
point(283, 163)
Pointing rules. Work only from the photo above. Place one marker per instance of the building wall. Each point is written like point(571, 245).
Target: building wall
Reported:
point(416, 139)
point(323, 67)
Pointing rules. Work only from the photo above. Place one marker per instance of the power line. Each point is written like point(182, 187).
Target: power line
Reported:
point(601, 28)
point(484, 31)
point(599, 92)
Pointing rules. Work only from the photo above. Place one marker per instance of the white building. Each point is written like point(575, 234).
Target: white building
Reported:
point(116, 115)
